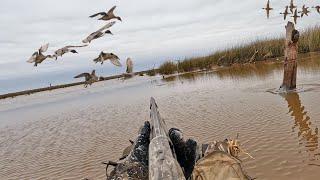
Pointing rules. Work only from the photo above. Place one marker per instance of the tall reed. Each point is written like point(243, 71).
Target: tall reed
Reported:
point(264, 49)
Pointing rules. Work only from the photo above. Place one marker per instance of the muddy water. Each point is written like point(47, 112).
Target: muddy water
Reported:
point(67, 133)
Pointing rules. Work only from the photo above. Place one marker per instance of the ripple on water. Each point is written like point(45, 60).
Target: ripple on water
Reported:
point(84, 127)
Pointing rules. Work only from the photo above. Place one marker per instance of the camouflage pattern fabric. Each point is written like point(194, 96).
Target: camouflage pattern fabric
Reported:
point(219, 162)
point(218, 165)
point(135, 165)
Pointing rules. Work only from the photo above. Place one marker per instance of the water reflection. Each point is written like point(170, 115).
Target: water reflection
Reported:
point(189, 77)
point(308, 64)
point(306, 135)
point(261, 70)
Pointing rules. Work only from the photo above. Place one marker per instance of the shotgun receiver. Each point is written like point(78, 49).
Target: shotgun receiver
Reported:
point(162, 158)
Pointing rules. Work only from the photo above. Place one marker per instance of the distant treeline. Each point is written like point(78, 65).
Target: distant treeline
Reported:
point(256, 51)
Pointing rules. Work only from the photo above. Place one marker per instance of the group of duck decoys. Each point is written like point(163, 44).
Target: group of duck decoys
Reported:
point(293, 10)
point(38, 56)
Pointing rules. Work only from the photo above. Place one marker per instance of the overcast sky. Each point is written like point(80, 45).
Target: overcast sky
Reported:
point(152, 31)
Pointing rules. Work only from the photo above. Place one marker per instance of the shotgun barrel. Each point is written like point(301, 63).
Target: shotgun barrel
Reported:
point(162, 158)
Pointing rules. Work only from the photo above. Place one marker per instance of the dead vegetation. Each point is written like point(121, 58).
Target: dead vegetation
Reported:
point(247, 53)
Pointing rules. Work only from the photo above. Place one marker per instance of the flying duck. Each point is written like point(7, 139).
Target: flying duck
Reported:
point(89, 78)
point(295, 16)
point(99, 33)
point(65, 50)
point(107, 15)
point(304, 11)
point(292, 6)
point(129, 65)
point(317, 8)
point(37, 57)
point(285, 13)
point(268, 8)
point(108, 56)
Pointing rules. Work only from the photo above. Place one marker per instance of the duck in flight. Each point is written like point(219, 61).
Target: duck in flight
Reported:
point(292, 6)
point(65, 50)
point(107, 15)
point(268, 8)
point(99, 33)
point(108, 56)
point(295, 16)
point(317, 8)
point(89, 78)
point(304, 11)
point(285, 13)
point(38, 56)
point(129, 65)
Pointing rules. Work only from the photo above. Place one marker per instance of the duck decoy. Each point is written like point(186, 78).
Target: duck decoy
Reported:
point(89, 78)
point(107, 15)
point(38, 56)
point(268, 8)
point(317, 8)
point(129, 65)
point(108, 56)
point(304, 11)
point(65, 50)
point(292, 6)
point(285, 13)
point(99, 33)
point(295, 16)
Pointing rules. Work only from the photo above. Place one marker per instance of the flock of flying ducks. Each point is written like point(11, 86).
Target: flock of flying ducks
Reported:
point(293, 10)
point(38, 57)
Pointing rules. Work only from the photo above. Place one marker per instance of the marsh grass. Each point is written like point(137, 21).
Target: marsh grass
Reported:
point(152, 72)
point(168, 67)
point(266, 49)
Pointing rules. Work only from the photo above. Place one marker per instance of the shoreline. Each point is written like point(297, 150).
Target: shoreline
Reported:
point(37, 90)
point(146, 72)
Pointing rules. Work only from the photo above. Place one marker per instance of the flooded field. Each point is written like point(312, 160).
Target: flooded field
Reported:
point(67, 133)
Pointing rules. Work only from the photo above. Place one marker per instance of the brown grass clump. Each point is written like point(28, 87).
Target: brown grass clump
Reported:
point(168, 67)
point(263, 49)
point(151, 72)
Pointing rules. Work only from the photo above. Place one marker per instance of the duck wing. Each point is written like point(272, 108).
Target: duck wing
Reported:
point(32, 59)
point(44, 48)
point(129, 63)
point(96, 60)
point(112, 9)
point(110, 24)
point(86, 75)
point(97, 14)
point(67, 47)
point(89, 38)
point(59, 51)
point(115, 61)
point(129, 69)
point(86, 40)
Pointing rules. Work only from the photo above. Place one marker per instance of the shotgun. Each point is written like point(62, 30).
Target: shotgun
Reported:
point(162, 158)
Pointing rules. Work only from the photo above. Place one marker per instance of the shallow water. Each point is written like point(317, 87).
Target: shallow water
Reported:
point(67, 133)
